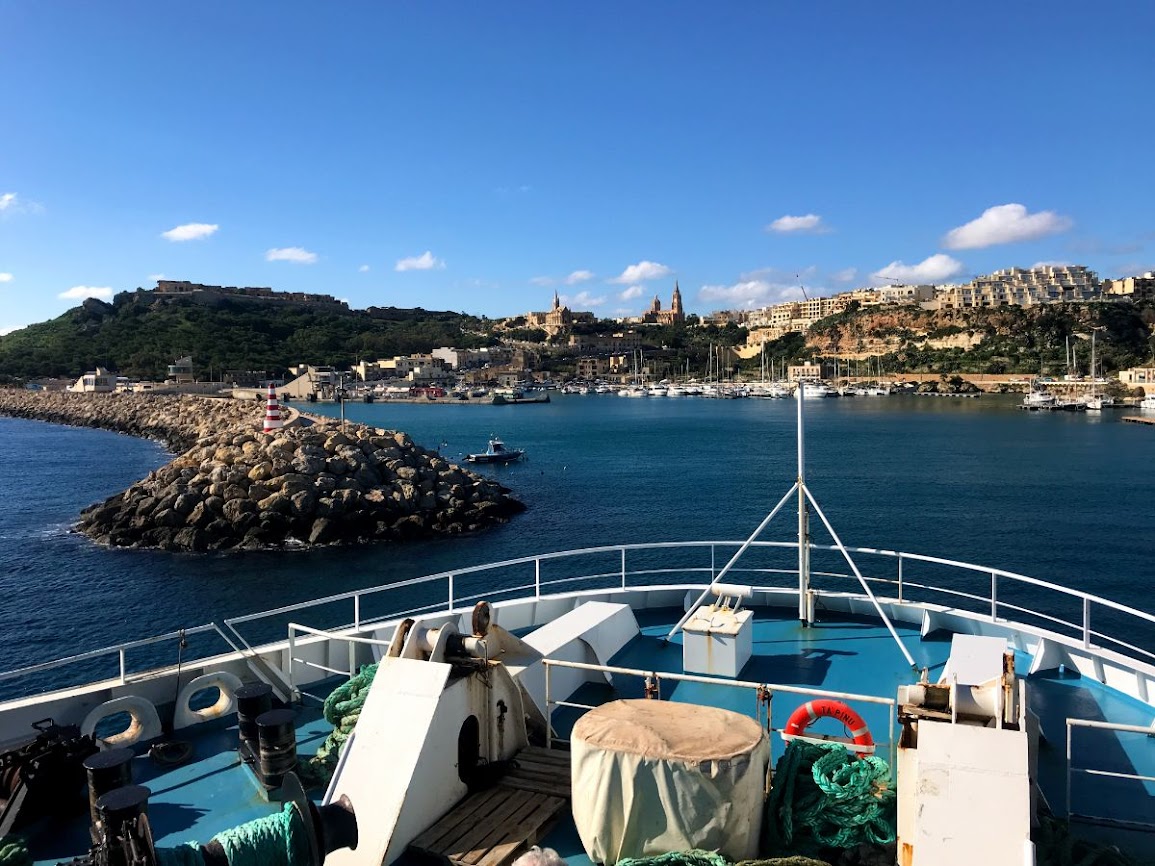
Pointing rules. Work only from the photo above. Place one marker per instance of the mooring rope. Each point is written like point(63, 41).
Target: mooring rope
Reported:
point(14, 852)
point(342, 710)
point(824, 797)
point(276, 840)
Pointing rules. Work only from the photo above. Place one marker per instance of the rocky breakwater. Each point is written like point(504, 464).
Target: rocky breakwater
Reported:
point(177, 421)
point(310, 485)
point(234, 487)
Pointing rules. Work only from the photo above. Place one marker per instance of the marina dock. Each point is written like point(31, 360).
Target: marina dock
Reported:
point(1135, 419)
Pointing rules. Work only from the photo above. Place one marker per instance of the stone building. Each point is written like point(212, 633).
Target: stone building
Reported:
point(1023, 287)
point(98, 381)
point(1132, 288)
point(557, 319)
point(655, 315)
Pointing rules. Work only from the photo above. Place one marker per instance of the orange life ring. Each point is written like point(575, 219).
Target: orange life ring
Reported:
point(811, 711)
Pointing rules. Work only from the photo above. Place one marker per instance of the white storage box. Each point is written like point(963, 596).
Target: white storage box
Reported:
point(717, 641)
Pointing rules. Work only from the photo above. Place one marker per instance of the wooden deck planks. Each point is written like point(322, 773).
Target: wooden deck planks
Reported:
point(492, 827)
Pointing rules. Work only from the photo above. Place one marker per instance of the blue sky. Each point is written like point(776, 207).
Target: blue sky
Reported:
point(476, 156)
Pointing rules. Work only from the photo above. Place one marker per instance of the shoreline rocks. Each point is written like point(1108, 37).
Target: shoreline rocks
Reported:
point(238, 488)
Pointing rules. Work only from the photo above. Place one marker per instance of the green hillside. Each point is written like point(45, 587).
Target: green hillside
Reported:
point(140, 333)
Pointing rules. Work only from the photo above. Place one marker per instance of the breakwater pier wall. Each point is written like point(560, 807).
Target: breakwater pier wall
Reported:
point(176, 420)
point(235, 487)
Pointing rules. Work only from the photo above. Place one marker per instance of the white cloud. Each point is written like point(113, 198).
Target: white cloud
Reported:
point(933, 269)
point(190, 232)
point(808, 224)
point(845, 275)
point(364, 269)
point(296, 255)
point(1005, 224)
point(6, 278)
point(631, 293)
point(578, 277)
point(424, 262)
point(544, 282)
point(11, 203)
point(585, 299)
point(156, 278)
point(641, 272)
point(77, 293)
point(1051, 264)
point(4, 332)
point(751, 294)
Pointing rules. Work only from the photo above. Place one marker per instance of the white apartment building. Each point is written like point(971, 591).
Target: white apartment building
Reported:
point(1023, 287)
point(1131, 287)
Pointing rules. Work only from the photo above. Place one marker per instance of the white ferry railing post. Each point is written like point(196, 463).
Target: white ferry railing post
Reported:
point(537, 578)
point(357, 611)
point(713, 566)
point(548, 723)
point(1069, 730)
point(122, 666)
point(623, 568)
point(352, 659)
point(994, 596)
point(451, 593)
point(1086, 623)
point(292, 653)
point(900, 577)
point(893, 747)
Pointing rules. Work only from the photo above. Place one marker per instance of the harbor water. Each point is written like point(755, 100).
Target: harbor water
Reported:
point(1061, 497)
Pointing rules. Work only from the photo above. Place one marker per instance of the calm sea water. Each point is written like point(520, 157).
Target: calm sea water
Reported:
point(1062, 497)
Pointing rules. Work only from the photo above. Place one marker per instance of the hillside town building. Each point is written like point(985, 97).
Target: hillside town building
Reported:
point(1131, 288)
point(557, 320)
point(655, 315)
point(1023, 287)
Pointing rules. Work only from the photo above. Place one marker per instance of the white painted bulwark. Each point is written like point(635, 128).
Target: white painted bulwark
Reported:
point(964, 797)
point(717, 641)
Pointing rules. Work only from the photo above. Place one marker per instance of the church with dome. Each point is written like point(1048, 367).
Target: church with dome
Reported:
point(655, 315)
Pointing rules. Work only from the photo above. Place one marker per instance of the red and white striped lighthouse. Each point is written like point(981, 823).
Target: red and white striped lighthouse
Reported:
point(272, 411)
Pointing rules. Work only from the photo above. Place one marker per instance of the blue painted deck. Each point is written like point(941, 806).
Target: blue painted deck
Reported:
point(848, 654)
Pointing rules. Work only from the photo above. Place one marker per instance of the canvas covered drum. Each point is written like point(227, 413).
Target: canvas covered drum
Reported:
point(651, 777)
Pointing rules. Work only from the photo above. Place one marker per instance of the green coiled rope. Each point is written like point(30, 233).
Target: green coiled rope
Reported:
point(824, 797)
point(276, 840)
point(342, 710)
point(695, 857)
point(14, 852)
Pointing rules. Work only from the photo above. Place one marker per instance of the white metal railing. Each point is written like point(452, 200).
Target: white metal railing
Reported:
point(294, 659)
point(763, 692)
point(1135, 777)
point(981, 590)
point(984, 591)
point(121, 650)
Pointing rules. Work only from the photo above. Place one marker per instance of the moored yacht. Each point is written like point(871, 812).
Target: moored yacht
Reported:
point(813, 390)
point(1038, 399)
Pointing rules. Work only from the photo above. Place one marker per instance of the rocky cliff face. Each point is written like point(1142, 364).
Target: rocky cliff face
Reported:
point(239, 488)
